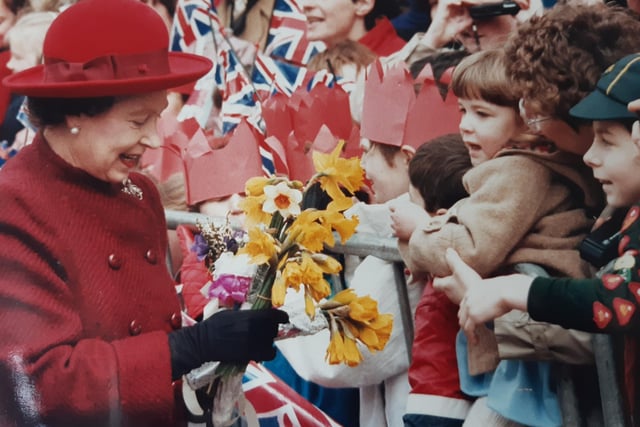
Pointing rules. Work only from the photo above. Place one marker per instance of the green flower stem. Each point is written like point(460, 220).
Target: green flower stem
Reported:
point(261, 288)
point(277, 221)
point(263, 296)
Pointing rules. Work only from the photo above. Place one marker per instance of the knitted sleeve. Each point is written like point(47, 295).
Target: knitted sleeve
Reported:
point(608, 303)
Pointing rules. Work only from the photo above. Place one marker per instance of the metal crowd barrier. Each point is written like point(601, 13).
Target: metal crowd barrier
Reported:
point(363, 244)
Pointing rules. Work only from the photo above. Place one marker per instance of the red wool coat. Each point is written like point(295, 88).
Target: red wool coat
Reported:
point(86, 301)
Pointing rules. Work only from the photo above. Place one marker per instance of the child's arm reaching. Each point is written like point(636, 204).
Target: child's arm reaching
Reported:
point(484, 228)
point(609, 303)
point(406, 216)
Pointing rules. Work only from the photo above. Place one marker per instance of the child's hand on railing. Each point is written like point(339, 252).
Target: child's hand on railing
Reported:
point(406, 217)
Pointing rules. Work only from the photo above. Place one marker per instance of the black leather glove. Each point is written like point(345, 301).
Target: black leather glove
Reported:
point(227, 336)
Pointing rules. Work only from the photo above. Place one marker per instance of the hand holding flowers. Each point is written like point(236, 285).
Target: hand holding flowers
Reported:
point(286, 242)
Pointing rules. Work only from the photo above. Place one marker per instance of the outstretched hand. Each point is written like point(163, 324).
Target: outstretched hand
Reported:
point(405, 218)
point(456, 285)
point(485, 299)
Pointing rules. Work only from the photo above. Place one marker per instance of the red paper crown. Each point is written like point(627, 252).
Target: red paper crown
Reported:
point(307, 121)
point(393, 114)
point(166, 160)
point(215, 173)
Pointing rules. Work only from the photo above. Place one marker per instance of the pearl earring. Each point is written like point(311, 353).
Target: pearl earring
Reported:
point(74, 130)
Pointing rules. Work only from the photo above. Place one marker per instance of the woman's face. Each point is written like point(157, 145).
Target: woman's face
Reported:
point(566, 138)
point(387, 181)
point(110, 145)
point(330, 21)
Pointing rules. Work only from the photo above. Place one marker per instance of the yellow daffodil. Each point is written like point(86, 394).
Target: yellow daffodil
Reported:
point(327, 264)
point(376, 334)
point(282, 198)
point(308, 273)
point(359, 319)
point(345, 296)
point(335, 173)
point(342, 347)
point(278, 290)
point(303, 270)
point(252, 207)
point(363, 309)
point(352, 355)
point(343, 225)
point(309, 233)
point(335, 351)
point(293, 275)
point(261, 247)
point(309, 304)
point(290, 252)
point(255, 186)
point(313, 279)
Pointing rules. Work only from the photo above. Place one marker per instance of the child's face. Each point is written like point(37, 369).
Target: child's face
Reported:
point(485, 128)
point(614, 160)
point(387, 181)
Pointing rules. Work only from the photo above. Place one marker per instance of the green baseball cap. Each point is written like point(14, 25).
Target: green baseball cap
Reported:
point(619, 85)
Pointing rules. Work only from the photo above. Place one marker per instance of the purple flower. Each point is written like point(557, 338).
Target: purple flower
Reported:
point(230, 289)
point(199, 246)
point(232, 244)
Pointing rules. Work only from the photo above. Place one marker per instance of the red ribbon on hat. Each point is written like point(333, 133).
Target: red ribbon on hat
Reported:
point(108, 67)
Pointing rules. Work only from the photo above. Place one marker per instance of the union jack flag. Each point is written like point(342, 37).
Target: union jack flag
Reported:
point(238, 94)
point(197, 29)
point(239, 100)
point(287, 37)
point(193, 20)
point(278, 405)
point(270, 75)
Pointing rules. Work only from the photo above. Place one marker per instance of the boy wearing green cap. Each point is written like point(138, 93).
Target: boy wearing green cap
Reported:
point(609, 303)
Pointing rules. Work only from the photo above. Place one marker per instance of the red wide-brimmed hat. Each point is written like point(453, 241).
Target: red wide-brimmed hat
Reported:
point(107, 48)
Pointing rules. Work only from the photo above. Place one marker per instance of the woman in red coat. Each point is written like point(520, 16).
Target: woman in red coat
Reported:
point(90, 324)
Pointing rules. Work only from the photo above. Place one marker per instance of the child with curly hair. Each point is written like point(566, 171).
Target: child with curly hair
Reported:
point(609, 302)
point(526, 204)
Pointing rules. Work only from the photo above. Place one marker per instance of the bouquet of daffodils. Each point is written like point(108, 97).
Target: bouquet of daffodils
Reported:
point(285, 244)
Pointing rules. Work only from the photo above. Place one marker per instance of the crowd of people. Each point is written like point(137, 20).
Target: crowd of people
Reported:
point(496, 138)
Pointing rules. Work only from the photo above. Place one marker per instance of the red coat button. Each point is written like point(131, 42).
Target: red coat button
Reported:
point(151, 256)
point(135, 328)
point(176, 321)
point(114, 261)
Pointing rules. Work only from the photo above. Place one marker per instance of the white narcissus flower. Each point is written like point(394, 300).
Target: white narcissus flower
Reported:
point(283, 199)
